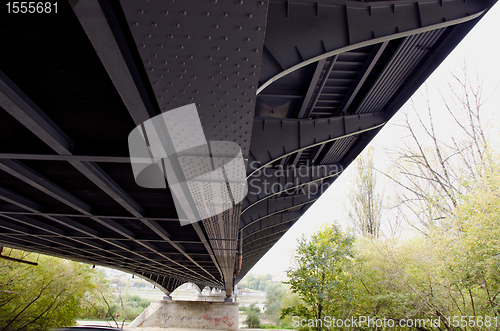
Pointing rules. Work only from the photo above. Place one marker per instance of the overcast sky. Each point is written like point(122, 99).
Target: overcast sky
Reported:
point(479, 50)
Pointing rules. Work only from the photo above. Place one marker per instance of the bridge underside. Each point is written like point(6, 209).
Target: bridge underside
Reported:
point(302, 85)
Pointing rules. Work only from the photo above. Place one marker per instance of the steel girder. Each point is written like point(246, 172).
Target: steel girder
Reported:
point(341, 26)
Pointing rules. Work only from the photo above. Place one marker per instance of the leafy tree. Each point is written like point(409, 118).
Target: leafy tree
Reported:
point(320, 278)
point(253, 316)
point(274, 296)
point(44, 296)
point(366, 202)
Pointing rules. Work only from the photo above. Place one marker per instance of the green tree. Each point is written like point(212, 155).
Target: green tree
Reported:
point(274, 296)
point(44, 296)
point(253, 316)
point(320, 278)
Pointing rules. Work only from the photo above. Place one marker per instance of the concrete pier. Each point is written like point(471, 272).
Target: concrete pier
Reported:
point(189, 315)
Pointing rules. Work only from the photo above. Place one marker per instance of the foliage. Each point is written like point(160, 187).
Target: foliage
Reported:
point(44, 296)
point(274, 296)
point(320, 278)
point(366, 202)
point(255, 282)
point(253, 317)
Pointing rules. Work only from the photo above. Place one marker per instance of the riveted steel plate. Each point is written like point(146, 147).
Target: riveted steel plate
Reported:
point(205, 52)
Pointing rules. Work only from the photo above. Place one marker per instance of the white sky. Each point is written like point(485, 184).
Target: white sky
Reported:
point(480, 50)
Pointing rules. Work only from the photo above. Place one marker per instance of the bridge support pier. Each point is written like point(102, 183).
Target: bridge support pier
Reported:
point(190, 315)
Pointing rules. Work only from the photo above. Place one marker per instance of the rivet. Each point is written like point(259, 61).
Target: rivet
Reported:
point(148, 35)
point(253, 66)
point(252, 74)
point(237, 65)
point(180, 47)
point(236, 72)
point(197, 92)
point(260, 3)
point(236, 101)
point(248, 15)
point(177, 25)
point(165, 12)
point(224, 38)
point(244, 93)
point(183, 91)
point(208, 37)
point(206, 14)
point(148, 62)
point(174, 56)
point(226, 93)
point(214, 105)
point(226, 78)
point(252, 87)
point(245, 59)
point(239, 27)
point(183, 13)
point(214, 1)
point(212, 78)
point(219, 72)
point(224, 14)
point(174, 97)
point(140, 11)
point(160, 75)
point(184, 71)
point(236, 86)
point(171, 84)
point(243, 106)
point(194, 77)
point(182, 63)
point(190, 57)
point(209, 57)
point(215, 26)
point(244, 79)
point(188, 84)
point(225, 58)
point(165, 90)
point(136, 24)
point(161, 97)
point(154, 55)
point(239, 2)
point(218, 64)
point(169, 103)
point(255, 50)
point(151, 69)
point(180, 76)
point(154, 24)
point(219, 85)
point(166, 70)
point(164, 62)
point(190, 98)
point(216, 48)
point(143, 46)
point(257, 28)
point(160, 46)
point(247, 39)
point(237, 49)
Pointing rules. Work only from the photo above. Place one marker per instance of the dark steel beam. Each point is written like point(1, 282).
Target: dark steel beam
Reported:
point(321, 86)
point(25, 111)
point(312, 86)
point(362, 76)
point(349, 25)
point(20, 171)
point(271, 137)
point(81, 158)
